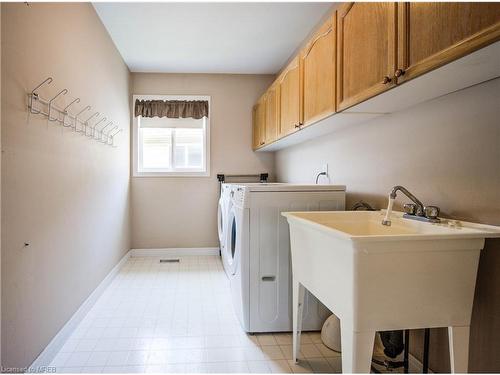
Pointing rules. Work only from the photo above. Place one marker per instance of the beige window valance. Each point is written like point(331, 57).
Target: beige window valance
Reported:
point(171, 108)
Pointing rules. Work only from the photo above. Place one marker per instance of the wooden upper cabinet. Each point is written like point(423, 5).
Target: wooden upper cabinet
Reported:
point(318, 73)
point(259, 123)
point(255, 128)
point(289, 98)
point(433, 34)
point(272, 114)
point(366, 51)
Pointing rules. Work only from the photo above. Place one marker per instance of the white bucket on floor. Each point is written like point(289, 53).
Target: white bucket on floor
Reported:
point(330, 333)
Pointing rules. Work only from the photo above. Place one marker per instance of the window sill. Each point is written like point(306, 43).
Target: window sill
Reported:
point(171, 174)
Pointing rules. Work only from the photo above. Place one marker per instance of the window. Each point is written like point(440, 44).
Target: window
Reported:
point(171, 146)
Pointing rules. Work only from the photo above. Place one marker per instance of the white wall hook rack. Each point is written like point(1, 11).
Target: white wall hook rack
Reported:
point(39, 106)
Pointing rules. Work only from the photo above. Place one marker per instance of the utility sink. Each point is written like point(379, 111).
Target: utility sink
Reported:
point(366, 226)
point(374, 277)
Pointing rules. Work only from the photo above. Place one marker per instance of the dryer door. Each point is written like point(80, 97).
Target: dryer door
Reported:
point(221, 222)
point(227, 233)
point(234, 242)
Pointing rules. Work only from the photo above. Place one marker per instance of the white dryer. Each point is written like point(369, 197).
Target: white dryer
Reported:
point(222, 222)
point(225, 222)
point(258, 249)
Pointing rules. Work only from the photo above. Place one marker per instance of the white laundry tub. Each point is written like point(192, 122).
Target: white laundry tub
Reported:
point(376, 278)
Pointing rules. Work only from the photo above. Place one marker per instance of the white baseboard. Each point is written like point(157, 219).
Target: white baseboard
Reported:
point(50, 351)
point(175, 252)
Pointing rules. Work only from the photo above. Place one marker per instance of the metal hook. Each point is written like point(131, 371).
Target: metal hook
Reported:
point(90, 118)
point(108, 133)
point(86, 122)
point(83, 110)
point(62, 92)
point(35, 95)
point(102, 130)
point(65, 112)
point(77, 100)
point(48, 81)
point(78, 114)
point(119, 130)
point(96, 125)
point(105, 140)
point(112, 136)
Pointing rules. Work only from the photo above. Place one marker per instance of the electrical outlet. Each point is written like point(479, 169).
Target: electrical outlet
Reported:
point(324, 168)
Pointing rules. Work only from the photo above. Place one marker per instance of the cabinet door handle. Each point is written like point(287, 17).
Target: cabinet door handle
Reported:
point(386, 80)
point(297, 126)
point(399, 73)
point(261, 143)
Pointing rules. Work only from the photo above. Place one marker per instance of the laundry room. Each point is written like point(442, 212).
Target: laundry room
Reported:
point(250, 187)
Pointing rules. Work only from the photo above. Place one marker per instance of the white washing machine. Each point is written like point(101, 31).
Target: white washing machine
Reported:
point(258, 250)
point(222, 222)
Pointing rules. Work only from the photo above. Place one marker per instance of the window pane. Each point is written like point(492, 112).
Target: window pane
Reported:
point(189, 148)
point(180, 156)
point(194, 156)
point(165, 122)
point(156, 148)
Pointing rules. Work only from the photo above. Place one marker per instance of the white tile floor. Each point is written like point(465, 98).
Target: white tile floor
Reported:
point(178, 318)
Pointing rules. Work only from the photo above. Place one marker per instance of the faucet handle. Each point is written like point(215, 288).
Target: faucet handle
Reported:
point(410, 208)
point(431, 212)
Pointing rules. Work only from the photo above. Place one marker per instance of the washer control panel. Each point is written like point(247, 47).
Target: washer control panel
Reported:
point(238, 195)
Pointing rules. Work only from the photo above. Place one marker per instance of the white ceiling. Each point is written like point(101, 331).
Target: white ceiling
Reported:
point(208, 37)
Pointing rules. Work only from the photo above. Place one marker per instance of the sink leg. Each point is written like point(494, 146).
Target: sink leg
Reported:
point(298, 306)
point(459, 348)
point(357, 350)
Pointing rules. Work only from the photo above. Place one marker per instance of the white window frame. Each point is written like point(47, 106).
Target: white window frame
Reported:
point(178, 172)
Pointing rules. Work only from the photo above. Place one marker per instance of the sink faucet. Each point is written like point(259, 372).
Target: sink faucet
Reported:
point(415, 210)
point(419, 206)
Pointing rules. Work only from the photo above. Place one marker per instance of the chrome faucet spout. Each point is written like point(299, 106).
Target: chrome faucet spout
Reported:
point(420, 205)
point(415, 211)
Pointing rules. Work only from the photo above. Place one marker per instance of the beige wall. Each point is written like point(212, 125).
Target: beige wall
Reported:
point(181, 212)
point(65, 195)
point(447, 153)
point(0, 187)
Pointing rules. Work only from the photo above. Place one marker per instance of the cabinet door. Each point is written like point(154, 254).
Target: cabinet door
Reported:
point(433, 34)
point(289, 103)
point(255, 128)
point(318, 73)
point(259, 123)
point(366, 51)
point(272, 114)
point(259, 119)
